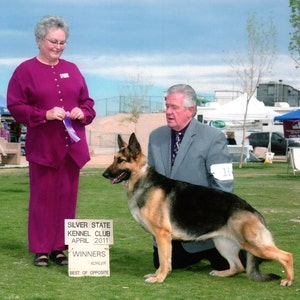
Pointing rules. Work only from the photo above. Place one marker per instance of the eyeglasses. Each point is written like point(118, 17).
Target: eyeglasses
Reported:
point(55, 42)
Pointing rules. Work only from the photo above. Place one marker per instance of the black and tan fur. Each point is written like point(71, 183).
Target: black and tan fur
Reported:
point(171, 209)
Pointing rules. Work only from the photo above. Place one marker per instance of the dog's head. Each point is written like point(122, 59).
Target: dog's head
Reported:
point(126, 161)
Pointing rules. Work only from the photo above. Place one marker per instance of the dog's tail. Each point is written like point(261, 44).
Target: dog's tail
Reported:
point(253, 271)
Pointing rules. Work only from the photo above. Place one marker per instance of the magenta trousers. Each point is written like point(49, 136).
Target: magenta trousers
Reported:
point(53, 198)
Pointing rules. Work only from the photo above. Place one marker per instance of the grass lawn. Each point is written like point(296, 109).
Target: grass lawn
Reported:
point(268, 187)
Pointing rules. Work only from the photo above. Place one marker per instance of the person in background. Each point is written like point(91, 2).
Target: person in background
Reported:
point(230, 138)
point(50, 96)
point(202, 158)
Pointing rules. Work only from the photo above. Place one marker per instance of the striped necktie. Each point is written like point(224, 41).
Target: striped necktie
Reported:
point(176, 146)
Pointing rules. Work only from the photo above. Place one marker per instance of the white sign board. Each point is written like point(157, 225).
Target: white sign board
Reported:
point(88, 261)
point(295, 158)
point(88, 242)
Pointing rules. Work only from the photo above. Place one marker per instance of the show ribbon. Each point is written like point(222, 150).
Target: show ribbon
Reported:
point(72, 133)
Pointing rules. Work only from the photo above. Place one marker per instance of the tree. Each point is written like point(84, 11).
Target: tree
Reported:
point(249, 66)
point(136, 90)
point(294, 45)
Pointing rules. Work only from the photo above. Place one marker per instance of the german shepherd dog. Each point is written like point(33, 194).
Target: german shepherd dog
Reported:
point(171, 209)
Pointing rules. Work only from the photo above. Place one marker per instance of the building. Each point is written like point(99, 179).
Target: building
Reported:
point(274, 93)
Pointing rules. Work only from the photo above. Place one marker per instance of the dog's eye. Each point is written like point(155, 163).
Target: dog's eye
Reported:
point(120, 160)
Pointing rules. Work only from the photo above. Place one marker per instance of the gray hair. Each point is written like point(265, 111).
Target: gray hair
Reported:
point(47, 22)
point(190, 98)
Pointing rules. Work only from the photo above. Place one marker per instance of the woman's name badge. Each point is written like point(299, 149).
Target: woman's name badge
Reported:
point(64, 75)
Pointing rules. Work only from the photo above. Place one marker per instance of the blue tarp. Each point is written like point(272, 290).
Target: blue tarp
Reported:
point(293, 115)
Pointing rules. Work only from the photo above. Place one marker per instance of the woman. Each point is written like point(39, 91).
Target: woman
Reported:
point(49, 95)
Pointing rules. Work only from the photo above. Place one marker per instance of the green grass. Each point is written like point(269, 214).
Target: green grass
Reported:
point(267, 187)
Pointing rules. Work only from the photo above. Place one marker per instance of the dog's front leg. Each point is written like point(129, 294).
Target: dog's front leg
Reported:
point(164, 246)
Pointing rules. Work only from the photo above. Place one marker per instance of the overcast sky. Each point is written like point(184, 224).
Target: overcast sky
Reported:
point(166, 41)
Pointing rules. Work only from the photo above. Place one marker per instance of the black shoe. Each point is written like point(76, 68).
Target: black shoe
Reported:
point(59, 258)
point(41, 260)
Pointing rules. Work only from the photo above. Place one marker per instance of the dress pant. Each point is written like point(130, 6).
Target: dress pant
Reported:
point(53, 198)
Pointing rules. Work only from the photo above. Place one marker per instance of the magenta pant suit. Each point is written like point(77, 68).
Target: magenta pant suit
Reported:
point(54, 160)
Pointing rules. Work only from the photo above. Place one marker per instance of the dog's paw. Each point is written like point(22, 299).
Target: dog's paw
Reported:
point(152, 278)
point(286, 282)
point(224, 273)
point(149, 275)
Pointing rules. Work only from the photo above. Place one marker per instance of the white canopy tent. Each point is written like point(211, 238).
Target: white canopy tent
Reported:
point(235, 111)
point(232, 114)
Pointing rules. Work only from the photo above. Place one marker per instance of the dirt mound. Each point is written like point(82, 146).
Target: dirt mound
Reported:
point(102, 133)
point(120, 123)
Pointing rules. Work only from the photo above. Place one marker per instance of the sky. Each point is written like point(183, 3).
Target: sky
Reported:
point(164, 41)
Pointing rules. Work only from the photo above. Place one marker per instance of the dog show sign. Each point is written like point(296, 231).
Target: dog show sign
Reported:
point(291, 129)
point(88, 242)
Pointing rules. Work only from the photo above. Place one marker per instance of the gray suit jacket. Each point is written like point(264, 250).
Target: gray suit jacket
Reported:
point(201, 148)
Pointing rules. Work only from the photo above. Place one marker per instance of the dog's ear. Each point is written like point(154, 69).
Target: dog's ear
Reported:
point(134, 145)
point(121, 143)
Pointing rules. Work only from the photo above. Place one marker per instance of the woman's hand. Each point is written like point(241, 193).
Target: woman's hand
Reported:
point(56, 113)
point(76, 113)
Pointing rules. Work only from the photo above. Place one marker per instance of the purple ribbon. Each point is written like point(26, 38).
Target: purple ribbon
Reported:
point(72, 133)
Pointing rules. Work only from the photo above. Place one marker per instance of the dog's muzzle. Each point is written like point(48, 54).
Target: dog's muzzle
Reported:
point(118, 177)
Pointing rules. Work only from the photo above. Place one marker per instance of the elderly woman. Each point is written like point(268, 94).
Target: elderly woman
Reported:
point(49, 95)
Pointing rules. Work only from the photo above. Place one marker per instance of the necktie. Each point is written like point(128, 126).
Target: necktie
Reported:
point(176, 146)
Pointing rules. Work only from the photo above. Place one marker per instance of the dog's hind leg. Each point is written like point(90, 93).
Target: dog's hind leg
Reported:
point(164, 247)
point(229, 249)
point(270, 252)
point(253, 271)
point(259, 242)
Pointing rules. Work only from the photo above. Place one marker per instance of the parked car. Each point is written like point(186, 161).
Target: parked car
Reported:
point(278, 141)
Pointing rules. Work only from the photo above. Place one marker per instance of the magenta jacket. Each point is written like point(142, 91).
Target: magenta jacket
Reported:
point(35, 88)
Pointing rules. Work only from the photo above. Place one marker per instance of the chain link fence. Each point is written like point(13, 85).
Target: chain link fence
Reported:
point(124, 104)
point(104, 143)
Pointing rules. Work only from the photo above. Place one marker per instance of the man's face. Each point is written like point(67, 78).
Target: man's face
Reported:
point(176, 114)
